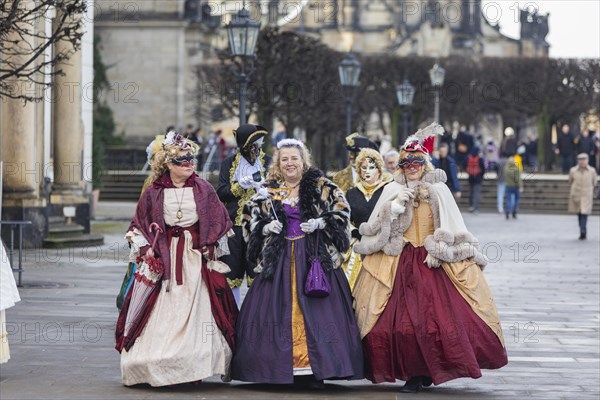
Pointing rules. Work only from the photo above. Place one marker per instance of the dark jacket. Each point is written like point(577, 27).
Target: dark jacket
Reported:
point(448, 165)
point(231, 193)
point(566, 144)
point(585, 145)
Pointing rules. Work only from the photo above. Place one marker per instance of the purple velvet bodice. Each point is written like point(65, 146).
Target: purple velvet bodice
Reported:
point(294, 220)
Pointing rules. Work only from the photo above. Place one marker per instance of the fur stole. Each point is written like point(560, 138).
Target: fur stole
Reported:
point(449, 244)
point(319, 197)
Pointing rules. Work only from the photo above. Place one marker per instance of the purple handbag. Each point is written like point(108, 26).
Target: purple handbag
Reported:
point(316, 284)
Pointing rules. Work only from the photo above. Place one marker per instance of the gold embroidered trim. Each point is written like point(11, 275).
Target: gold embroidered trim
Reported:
point(254, 134)
point(295, 238)
point(236, 189)
point(233, 283)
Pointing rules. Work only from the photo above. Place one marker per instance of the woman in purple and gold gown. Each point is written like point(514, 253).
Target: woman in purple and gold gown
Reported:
point(282, 335)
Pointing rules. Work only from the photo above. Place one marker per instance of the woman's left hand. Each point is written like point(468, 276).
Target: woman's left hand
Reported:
point(312, 225)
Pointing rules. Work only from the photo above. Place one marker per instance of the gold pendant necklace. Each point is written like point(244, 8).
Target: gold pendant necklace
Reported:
point(179, 213)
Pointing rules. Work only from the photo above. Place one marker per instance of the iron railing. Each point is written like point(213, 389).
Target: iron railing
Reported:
point(11, 249)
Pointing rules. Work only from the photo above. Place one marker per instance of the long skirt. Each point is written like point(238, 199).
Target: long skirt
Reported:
point(281, 332)
point(428, 329)
point(4, 349)
point(181, 341)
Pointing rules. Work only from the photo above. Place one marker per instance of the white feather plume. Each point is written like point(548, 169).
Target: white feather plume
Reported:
point(428, 131)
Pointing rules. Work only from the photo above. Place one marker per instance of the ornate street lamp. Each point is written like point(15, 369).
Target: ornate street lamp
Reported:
point(243, 34)
point(405, 93)
point(349, 70)
point(437, 74)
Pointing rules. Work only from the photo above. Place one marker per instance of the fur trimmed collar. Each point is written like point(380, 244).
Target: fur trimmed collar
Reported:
point(450, 242)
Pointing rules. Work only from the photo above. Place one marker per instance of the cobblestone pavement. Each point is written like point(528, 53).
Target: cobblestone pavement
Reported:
point(545, 281)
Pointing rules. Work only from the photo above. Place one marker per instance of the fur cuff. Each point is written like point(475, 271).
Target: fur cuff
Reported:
point(450, 247)
point(396, 209)
point(375, 236)
point(258, 269)
point(432, 262)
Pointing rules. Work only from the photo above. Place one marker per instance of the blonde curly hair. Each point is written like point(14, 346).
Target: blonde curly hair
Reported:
point(275, 174)
point(161, 158)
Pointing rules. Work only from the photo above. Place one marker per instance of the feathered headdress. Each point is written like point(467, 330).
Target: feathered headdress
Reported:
point(155, 146)
point(416, 141)
point(168, 142)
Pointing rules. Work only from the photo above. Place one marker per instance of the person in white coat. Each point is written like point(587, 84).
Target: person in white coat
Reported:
point(9, 295)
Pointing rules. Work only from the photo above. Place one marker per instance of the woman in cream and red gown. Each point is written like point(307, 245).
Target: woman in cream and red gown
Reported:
point(189, 334)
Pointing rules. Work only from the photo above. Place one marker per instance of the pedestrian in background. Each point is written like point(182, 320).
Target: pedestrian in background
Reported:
point(500, 184)
point(531, 149)
point(508, 147)
point(391, 161)
point(514, 187)
point(582, 179)
point(584, 143)
point(565, 148)
point(596, 136)
point(491, 155)
point(464, 143)
point(448, 165)
point(475, 167)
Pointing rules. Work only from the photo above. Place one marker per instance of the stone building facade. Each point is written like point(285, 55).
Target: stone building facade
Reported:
point(154, 46)
point(152, 49)
point(431, 28)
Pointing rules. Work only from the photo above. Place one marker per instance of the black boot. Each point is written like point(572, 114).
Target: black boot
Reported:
point(582, 236)
point(308, 382)
point(514, 215)
point(427, 381)
point(413, 385)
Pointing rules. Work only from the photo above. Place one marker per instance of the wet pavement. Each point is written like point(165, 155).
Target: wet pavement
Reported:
point(545, 282)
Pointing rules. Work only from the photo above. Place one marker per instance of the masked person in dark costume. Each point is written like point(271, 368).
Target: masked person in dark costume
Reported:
point(240, 174)
point(345, 178)
point(362, 198)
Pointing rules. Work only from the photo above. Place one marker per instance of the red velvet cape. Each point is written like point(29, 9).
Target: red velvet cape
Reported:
point(213, 219)
point(214, 222)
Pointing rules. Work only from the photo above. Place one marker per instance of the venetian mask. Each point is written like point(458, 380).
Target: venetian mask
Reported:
point(250, 152)
point(368, 171)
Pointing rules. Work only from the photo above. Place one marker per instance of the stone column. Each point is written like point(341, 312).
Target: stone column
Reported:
point(21, 176)
point(67, 128)
point(67, 137)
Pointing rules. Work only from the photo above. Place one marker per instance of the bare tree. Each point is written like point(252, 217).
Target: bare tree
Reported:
point(24, 42)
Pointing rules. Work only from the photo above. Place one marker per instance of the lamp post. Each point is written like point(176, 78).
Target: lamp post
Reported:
point(243, 34)
point(405, 93)
point(349, 70)
point(437, 74)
